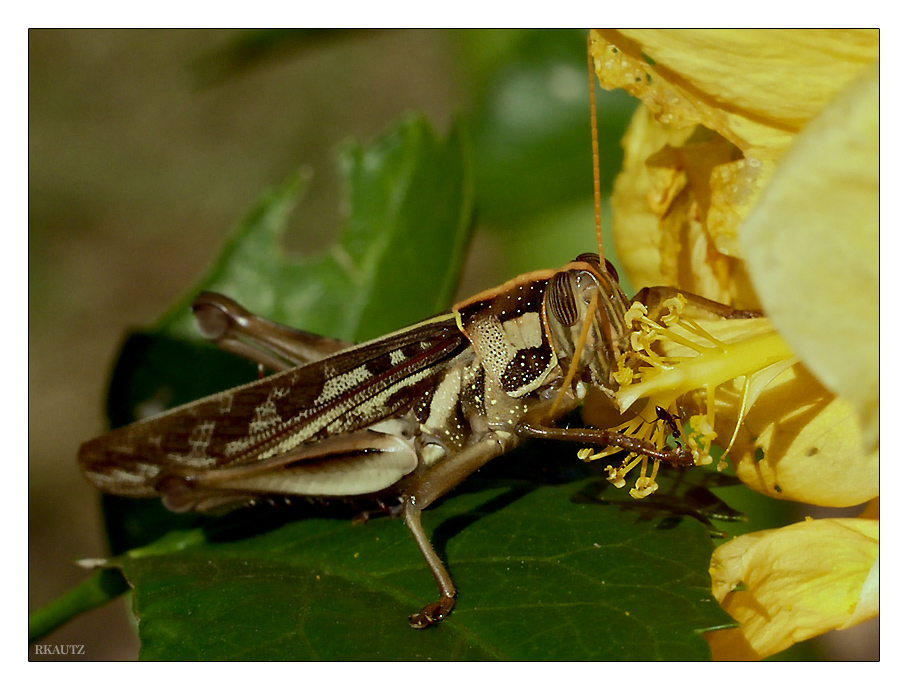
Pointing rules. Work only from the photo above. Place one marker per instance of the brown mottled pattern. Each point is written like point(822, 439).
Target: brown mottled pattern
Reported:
point(241, 424)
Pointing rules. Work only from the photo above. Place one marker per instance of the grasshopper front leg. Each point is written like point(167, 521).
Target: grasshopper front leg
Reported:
point(679, 456)
point(440, 479)
point(653, 298)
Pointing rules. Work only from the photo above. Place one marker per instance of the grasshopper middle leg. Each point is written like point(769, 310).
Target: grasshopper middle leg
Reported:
point(429, 487)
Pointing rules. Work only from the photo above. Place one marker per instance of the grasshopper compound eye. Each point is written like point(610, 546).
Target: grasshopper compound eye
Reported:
point(561, 299)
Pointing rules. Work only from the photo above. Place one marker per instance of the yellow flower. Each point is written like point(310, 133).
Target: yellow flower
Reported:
point(751, 177)
point(782, 592)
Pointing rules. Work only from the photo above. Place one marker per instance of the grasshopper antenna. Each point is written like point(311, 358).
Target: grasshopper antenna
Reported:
point(596, 181)
point(596, 174)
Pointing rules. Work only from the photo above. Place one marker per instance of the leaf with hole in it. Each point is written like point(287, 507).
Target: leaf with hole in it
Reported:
point(397, 261)
point(399, 253)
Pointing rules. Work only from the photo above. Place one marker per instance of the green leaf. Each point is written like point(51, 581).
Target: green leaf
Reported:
point(541, 575)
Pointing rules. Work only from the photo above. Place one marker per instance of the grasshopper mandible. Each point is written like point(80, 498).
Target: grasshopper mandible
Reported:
point(410, 414)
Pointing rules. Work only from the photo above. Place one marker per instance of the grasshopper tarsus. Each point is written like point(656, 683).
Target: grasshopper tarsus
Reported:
point(381, 509)
point(432, 613)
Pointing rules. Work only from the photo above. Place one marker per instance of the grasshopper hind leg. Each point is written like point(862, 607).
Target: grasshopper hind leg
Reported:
point(440, 479)
point(236, 329)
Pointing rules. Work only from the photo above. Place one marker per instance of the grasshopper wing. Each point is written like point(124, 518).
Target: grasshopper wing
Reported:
point(274, 435)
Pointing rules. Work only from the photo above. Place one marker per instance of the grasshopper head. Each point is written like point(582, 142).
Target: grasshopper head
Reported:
point(584, 309)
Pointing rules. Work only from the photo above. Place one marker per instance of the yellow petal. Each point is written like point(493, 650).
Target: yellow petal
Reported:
point(787, 585)
point(756, 88)
point(812, 248)
point(799, 442)
point(675, 209)
point(634, 225)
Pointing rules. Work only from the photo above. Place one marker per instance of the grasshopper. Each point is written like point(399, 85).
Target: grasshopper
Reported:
point(410, 414)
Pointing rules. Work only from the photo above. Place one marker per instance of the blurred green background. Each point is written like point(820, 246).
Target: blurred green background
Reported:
point(147, 147)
